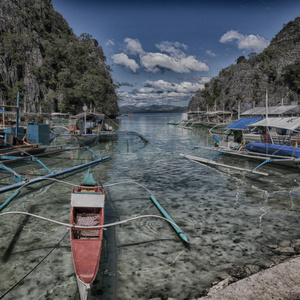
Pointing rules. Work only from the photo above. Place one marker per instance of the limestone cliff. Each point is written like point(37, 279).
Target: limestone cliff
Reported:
point(51, 67)
point(276, 69)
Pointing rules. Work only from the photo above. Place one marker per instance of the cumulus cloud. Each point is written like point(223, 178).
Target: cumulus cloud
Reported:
point(133, 46)
point(174, 58)
point(124, 60)
point(247, 42)
point(182, 87)
point(162, 92)
point(154, 62)
point(173, 48)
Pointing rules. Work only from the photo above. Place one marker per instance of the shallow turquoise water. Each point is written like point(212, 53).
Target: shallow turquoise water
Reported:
point(229, 218)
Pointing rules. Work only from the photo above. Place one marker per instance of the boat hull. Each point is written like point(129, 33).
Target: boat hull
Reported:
point(90, 139)
point(86, 140)
point(272, 149)
point(22, 151)
point(84, 289)
point(87, 210)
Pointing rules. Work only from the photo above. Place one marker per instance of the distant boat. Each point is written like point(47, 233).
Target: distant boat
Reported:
point(90, 128)
point(174, 122)
point(129, 114)
point(87, 209)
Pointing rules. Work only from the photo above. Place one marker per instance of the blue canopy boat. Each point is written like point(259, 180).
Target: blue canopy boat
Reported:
point(279, 145)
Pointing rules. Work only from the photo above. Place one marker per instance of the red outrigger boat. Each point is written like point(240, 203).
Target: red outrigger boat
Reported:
point(87, 209)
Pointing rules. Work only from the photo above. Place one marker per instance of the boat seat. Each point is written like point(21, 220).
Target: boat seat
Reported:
point(89, 234)
point(84, 219)
point(87, 200)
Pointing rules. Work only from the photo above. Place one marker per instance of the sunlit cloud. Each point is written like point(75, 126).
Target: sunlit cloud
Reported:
point(155, 62)
point(247, 42)
point(124, 60)
point(133, 46)
point(161, 92)
point(182, 87)
point(174, 48)
point(174, 58)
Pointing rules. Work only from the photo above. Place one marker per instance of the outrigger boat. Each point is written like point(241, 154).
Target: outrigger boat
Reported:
point(87, 209)
point(90, 128)
point(281, 150)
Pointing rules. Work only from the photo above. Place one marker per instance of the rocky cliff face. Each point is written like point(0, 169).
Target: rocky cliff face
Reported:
point(51, 68)
point(276, 69)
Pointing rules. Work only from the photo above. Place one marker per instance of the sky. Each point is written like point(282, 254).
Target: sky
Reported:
point(162, 52)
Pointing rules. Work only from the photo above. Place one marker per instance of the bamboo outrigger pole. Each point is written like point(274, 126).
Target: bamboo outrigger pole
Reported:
point(180, 233)
point(20, 184)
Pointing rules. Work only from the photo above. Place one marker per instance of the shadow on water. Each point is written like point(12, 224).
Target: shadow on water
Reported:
point(17, 234)
point(106, 281)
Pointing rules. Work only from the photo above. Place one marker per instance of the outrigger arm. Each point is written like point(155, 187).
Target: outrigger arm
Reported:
point(212, 163)
point(17, 177)
point(263, 163)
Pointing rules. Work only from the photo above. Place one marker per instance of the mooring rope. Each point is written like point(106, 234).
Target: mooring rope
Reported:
point(18, 282)
point(87, 227)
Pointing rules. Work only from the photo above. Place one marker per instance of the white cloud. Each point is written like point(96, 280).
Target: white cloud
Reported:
point(124, 60)
point(109, 43)
point(172, 48)
point(154, 62)
point(133, 46)
point(247, 42)
point(176, 60)
point(182, 87)
point(210, 53)
point(162, 92)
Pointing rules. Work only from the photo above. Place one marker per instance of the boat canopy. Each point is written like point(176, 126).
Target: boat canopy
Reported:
point(273, 110)
point(242, 123)
point(292, 123)
point(218, 112)
point(88, 114)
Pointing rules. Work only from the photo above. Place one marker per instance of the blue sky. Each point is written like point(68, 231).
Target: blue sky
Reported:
point(162, 52)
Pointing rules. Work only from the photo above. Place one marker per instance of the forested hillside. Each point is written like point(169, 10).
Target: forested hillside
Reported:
point(276, 69)
point(53, 69)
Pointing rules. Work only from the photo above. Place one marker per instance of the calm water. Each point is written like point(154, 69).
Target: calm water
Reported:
point(229, 218)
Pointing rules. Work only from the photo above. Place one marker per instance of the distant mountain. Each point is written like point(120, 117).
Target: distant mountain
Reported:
point(151, 108)
point(276, 69)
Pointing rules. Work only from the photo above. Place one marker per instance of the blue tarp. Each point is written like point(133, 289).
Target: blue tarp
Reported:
point(280, 150)
point(2, 111)
point(243, 123)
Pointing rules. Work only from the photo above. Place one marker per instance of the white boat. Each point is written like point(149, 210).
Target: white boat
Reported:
point(277, 149)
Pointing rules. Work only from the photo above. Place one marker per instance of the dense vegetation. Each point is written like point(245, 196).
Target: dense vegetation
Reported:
point(37, 47)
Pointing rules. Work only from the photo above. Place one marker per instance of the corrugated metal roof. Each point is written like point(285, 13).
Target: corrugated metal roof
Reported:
point(273, 110)
point(243, 123)
point(285, 123)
